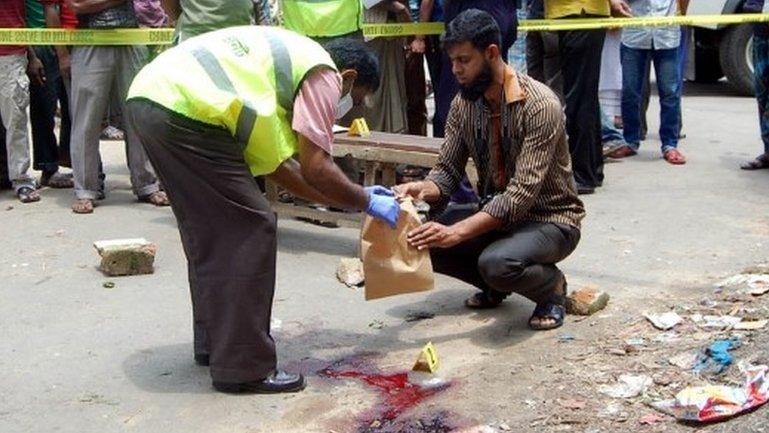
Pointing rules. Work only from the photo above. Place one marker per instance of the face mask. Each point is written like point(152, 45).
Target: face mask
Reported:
point(343, 106)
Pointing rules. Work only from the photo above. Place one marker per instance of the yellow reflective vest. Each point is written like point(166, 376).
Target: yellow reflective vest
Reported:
point(322, 18)
point(243, 79)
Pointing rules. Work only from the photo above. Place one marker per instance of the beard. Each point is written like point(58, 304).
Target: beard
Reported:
point(475, 90)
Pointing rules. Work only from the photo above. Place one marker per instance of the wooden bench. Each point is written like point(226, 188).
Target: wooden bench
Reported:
point(380, 154)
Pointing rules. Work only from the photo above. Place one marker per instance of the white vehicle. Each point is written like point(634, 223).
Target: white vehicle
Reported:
point(723, 50)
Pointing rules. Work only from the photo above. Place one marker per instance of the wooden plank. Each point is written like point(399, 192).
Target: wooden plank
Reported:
point(386, 140)
point(342, 219)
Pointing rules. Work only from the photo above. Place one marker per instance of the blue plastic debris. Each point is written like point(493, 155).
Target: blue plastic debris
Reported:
point(716, 359)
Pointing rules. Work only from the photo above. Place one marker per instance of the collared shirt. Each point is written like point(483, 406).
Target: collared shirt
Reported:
point(647, 38)
point(534, 156)
point(565, 8)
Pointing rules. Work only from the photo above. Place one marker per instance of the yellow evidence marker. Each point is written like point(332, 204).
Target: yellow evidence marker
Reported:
point(428, 359)
point(359, 128)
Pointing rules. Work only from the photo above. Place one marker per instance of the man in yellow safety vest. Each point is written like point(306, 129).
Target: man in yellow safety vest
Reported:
point(212, 113)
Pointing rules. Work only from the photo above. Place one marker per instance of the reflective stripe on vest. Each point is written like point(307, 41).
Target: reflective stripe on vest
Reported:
point(247, 116)
point(322, 18)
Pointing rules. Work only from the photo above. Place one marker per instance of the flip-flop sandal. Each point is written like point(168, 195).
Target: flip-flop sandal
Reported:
point(27, 195)
point(547, 310)
point(83, 206)
point(483, 301)
point(674, 157)
point(761, 162)
point(157, 198)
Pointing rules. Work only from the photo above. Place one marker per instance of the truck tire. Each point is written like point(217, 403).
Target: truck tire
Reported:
point(737, 59)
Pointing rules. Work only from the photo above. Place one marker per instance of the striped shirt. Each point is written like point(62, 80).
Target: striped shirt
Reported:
point(529, 175)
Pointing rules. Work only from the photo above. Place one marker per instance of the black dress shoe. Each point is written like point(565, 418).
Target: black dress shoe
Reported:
point(202, 359)
point(276, 382)
point(584, 189)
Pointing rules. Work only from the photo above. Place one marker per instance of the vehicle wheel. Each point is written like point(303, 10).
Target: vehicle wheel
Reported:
point(737, 58)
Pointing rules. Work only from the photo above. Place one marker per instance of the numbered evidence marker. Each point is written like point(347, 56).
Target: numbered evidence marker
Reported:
point(428, 359)
point(359, 128)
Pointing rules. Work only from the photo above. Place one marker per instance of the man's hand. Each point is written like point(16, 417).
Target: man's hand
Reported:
point(417, 45)
point(36, 70)
point(434, 235)
point(425, 190)
point(620, 8)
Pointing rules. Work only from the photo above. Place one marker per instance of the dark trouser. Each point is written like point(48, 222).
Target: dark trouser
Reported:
point(581, 68)
point(542, 60)
point(416, 93)
point(229, 237)
point(761, 71)
point(519, 261)
point(5, 183)
point(47, 150)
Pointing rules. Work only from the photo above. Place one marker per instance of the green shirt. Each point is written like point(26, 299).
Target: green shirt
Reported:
point(35, 14)
point(202, 16)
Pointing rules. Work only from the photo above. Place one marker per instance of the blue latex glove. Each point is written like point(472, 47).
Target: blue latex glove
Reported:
point(382, 205)
point(378, 190)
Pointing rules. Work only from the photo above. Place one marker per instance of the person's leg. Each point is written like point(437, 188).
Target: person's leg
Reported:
point(65, 130)
point(581, 59)
point(454, 261)
point(761, 65)
point(633, 70)
point(666, 71)
point(416, 93)
point(129, 60)
point(609, 133)
point(218, 207)
point(14, 100)
point(523, 261)
point(535, 56)
point(552, 64)
point(646, 93)
point(42, 110)
point(93, 72)
point(434, 61)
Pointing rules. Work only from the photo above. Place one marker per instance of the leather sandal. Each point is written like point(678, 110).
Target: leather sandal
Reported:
point(27, 194)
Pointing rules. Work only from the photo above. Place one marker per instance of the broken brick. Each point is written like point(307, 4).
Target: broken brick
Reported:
point(126, 257)
point(586, 301)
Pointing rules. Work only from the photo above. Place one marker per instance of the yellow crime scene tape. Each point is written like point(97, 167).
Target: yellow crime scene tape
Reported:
point(165, 36)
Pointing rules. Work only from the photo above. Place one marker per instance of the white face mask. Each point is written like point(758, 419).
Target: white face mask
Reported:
point(343, 106)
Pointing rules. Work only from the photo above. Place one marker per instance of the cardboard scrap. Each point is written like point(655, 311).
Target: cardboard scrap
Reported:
point(664, 321)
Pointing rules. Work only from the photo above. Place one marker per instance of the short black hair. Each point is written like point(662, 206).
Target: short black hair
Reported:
point(348, 53)
point(474, 26)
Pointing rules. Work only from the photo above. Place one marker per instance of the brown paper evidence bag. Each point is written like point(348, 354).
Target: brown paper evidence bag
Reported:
point(390, 265)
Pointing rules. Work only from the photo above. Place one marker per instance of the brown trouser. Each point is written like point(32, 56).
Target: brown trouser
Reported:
point(228, 233)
